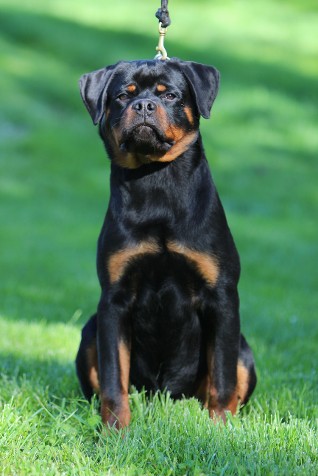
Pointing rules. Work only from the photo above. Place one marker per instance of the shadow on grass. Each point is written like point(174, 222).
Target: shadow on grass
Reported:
point(40, 374)
point(84, 48)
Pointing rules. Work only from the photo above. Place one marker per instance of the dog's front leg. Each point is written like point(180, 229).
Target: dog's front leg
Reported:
point(222, 353)
point(113, 344)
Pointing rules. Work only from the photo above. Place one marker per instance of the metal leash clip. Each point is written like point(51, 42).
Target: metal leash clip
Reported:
point(162, 52)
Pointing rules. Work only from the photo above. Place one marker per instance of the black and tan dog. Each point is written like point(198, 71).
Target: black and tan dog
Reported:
point(168, 316)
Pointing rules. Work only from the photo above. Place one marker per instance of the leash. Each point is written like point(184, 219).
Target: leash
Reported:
point(164, 21)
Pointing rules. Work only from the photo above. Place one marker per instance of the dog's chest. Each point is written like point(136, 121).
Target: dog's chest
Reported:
point(150, 259)
point(166, 330)
point(155, 227)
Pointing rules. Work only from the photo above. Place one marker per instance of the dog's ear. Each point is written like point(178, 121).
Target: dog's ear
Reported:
point(204, 84)
point(93, 88)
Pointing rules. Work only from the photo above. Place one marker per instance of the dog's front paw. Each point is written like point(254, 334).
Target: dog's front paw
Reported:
point(116, 415)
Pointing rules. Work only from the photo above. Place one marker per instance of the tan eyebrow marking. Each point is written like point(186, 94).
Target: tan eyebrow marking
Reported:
point(131, 88)
point(161, 88)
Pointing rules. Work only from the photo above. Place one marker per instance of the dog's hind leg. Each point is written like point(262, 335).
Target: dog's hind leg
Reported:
point(86, 359)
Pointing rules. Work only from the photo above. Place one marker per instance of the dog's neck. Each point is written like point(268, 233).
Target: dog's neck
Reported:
point(161, 200)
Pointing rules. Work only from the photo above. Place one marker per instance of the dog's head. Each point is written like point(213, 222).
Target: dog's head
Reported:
point(149, 110)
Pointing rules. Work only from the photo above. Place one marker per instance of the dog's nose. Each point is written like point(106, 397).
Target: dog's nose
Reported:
point(144, 106)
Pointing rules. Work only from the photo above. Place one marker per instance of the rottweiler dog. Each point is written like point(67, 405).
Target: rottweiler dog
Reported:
point(168, 315)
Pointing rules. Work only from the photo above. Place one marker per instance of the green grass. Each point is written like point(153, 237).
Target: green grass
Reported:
point(262, 144)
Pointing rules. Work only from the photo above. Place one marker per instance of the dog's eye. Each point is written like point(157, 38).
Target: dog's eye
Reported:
point(169, 96)
point(123, 96)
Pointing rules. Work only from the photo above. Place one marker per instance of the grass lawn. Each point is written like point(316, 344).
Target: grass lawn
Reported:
point(262, 143)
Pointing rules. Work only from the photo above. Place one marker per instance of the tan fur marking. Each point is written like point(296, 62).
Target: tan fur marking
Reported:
point(213, 399)
point(131, 88)
point(118, 413)
point(117, 416)
point(119, 260)
point(127, 160)
point(206, 264)
point(133, 161)
point(179, 147)
point(204, 390)
point(124, 363)
point(189, 114)
point(163, 120)
point(207, 393)
point(241, 388)
point(233, 404)
point(161, 88)
point(91, 353)
point(215, 411)
point(175, 133)
point(124, 159)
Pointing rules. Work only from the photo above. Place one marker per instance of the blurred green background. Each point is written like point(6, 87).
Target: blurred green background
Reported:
point(261, 141)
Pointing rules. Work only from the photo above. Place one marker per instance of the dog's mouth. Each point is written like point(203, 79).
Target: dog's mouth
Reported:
point(144, 139)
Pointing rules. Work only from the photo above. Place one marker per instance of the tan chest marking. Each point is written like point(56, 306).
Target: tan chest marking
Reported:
point(206, 264)
point(118, 261)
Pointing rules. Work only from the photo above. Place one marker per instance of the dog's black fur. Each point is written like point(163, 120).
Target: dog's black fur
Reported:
point(168, 316)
